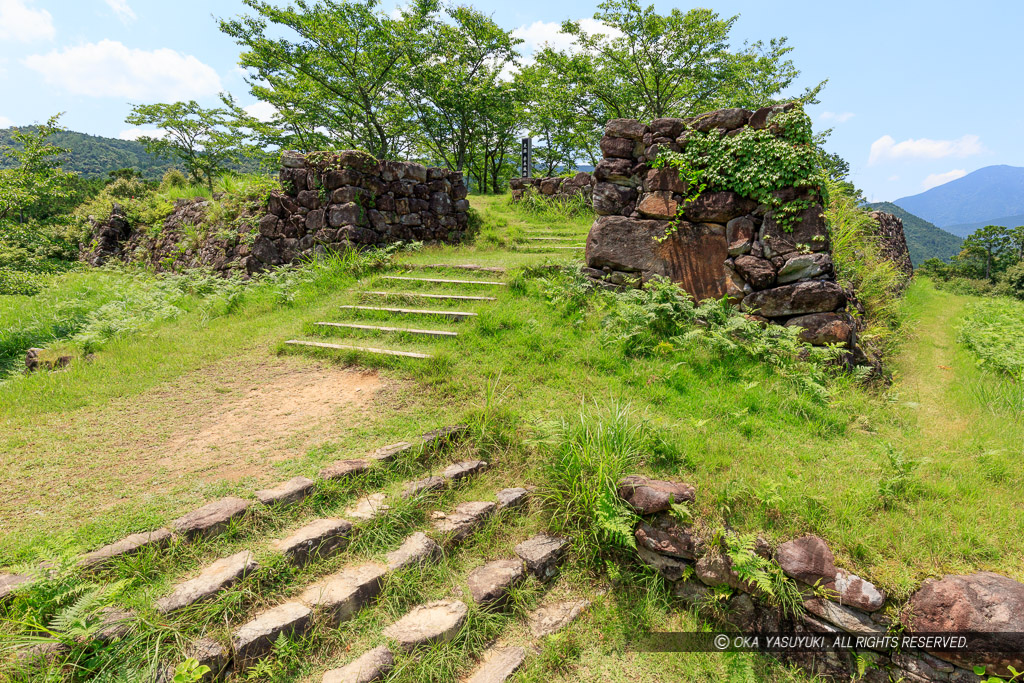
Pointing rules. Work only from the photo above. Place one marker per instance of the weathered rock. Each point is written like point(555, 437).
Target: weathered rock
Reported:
point(255, 640)
point(417, 550)
point(421, 486)
point(854, 591)
point(669, 567)
point(466, 519)
point(343, 594)
point(318, 539)
point(845, 618)
point(368, 667)
point(208, 652)
point(804, 267)
point(621, 148)
point(824, 328)
point(491, 583)
point(692, 256)
point(657, 204)
point(667, 128)
point(738, 234)
point(220, 575)
point(127, 546)
point(983, 603)
point(716, 570)
point(816, 296)
point(757, 271)
point(9, 582)
point(807, 559)
point(724, 119)
point(444, 437)
point(617, 171)
point(610, 199)
point(115, 624)
point(762, 117)
point(513, 499)
point(389, 453)
point(461, 470)
point(648, 496)
point(543, 554)
point(665, 536)
point(211, 519)
point(293, 160)
point(691, 592)
point(625, 128)
point(345, 468)
point(498, 665)
point(554, 617)
point(717, 207)
point(808, 232)
point(894, 241)
point(291, 491)
point(368, 507)
point(434, 622)
point(664, 179)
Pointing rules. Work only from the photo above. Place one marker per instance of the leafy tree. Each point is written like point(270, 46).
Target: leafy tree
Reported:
point(199, 138)
point(492, 156)
point(36, 176)
point(331, 69)
point(987, 243)
point(1015, 242)
point(563, 136)
point(650, 65)
point(454, 73)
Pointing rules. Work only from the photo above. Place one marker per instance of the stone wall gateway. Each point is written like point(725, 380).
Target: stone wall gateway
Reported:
point(723, 245)
point(582, 184)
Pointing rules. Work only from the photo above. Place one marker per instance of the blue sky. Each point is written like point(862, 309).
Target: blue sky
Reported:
point(919, 92)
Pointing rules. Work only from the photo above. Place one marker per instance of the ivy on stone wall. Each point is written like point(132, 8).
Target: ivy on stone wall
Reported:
point(755, 164)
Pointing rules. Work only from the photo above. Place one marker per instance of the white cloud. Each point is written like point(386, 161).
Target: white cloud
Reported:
point(936, 179)
point(886, 148)
point(19, 21)
point(110, 69)
point(136, 133)
point(539, 33)
point(125, 13)
point(836, 118)
point(5, 122)
point(261, 111)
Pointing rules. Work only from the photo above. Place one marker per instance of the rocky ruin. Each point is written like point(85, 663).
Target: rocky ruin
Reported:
point(893, 241)
point(328, 201)
point(720, 244)
point(557, 188)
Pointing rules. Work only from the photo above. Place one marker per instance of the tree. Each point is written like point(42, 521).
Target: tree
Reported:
point(199, 138)
point(453, 83)
point(332, 75)
point(1015, 242)
point(988, 243)
point(36, 177)
point(563, 136)
point(649, 65)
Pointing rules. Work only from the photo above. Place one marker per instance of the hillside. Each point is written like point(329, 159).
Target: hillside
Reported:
point(965, 229)
point(93, 156)
point(981, 196)
point(924, 239)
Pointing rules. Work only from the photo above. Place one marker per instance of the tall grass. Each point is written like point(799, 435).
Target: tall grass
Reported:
point(550, 208)
point(994, 332)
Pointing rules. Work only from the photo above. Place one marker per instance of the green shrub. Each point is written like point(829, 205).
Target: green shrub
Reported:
point(551, 208)
point(173, 178)
point(1012, 281)
point(16, 282)
point(126, 188)
point(994, 332)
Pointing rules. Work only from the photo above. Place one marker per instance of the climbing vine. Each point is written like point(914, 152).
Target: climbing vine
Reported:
point(755, 164)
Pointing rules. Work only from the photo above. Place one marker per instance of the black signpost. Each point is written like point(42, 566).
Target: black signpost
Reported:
point(527, 169)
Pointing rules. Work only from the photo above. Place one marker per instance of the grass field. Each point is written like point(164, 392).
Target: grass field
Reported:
point(905, 481)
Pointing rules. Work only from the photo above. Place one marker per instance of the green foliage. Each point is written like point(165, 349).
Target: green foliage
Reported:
point(756, 164)
point(1014, 675)
point(16, 282)
point(173, 178)
point(764, 575)
point(1012, 281)
point(190, 671)
point(994, 332)
point(551, 208)
point(33, 176)
point(898, 484)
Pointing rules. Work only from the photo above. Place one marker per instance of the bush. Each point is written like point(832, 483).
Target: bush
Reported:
point(537, 204)
point(994, 332)
point(1012, 281)
point(127, 188)
point(173, 178)
point(16, 282)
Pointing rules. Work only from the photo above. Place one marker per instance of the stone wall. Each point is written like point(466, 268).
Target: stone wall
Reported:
point(834, 601)
point(894, 241)
point(723, 244)
point(582, 184)
point(328, 201)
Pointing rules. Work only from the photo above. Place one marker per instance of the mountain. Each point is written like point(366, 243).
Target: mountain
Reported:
point(94, 156)
point(965, 229)
point(924, 240)
point(978, 197)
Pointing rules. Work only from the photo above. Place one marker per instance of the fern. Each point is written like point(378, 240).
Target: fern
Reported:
point(613, 521)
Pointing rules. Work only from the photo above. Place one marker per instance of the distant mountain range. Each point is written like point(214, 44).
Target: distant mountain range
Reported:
point(924, 240)
point(993, 195)
point(93, 156)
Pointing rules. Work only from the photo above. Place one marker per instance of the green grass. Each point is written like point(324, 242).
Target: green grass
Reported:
point(907, 481)
point(994, 332)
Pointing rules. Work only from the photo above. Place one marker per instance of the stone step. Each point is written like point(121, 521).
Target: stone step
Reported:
point(8, 582)
point(382, 328)
point(458, 315)
point(427, 485)
point(127, 546)
point(441, 280)
point(460, 470)
point(368, 507)
point(390, 452)
point(498, 665)
point(549, 239)
point(362, 349)
point(542, 554)
point(445, 436)
point(550, 248)
point(554, 617)
point(211, 519)
point(368, 667)
point(442, 297)
point(340, 596)
point(255, 640)
point(435, 622)
point(490, 584)
point(319, 539)
point(344, 469)
point(513, 498)
point(291, 491)
point(222, 574)
point(466, 519)
point(416, 551)
point(457, 266)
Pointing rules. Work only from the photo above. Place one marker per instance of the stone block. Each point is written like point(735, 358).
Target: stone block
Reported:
point(291, 491)
point(210, 519)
